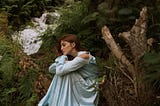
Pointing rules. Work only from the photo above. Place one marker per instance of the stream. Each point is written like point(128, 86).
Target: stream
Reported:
point(30, 37)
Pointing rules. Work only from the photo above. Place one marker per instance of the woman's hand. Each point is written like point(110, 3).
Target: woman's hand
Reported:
point(84, 56)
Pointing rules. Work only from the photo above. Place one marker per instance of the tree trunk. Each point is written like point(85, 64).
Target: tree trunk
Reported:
point(136, 39)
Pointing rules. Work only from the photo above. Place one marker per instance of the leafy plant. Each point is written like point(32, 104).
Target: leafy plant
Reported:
point(78, 19)
point(152, 61)
point(15, 90)
point(27, 94)
point(21, 11)
point(8, 69)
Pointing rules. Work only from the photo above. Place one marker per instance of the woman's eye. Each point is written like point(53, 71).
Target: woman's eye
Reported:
point(63, 45)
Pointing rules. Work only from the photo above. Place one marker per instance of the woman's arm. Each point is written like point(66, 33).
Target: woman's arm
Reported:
point(66, 67)
point(60, 59)
point(52, 68)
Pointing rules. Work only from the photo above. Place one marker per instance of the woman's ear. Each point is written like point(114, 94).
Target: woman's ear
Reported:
point(73, 44)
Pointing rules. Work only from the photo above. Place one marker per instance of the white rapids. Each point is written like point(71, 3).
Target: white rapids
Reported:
point(29, 38)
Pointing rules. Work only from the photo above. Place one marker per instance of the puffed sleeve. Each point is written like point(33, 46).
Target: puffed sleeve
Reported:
point(66, 67)
point(60, 59)
point(52, 68)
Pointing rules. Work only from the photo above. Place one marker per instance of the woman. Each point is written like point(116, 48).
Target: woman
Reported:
point(74, 82)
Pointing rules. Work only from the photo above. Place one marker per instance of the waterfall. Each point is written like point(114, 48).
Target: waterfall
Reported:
point(29, 38)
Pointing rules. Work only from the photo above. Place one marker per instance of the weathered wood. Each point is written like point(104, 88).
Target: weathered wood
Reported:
point(136, 37)
point(116, 50)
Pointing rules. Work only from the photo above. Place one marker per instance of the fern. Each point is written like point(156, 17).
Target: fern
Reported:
point(90, 17)
point(21, 11)
point(27, 93)
point(15, 91)
point(79, 20)
point(70, 18)
point(8, 69)
point(152, 61)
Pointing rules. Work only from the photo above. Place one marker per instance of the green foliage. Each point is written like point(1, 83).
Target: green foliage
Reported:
point(26, 88)
point(8, 69)
point(70, 20)
point(152, 69)
point(7, 61)
point(14, 90)
point(21, 11)
point(125, 11)
point(80, 20)
point(84, 18)
point(90, 17)
point(49, 40)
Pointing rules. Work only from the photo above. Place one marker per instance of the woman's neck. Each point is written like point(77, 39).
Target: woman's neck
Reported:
point(74, 53)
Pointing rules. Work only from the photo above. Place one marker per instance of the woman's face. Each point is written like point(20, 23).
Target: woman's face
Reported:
point(67, 47)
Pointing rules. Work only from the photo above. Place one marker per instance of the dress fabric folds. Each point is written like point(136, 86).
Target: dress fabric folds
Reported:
point(74, 82)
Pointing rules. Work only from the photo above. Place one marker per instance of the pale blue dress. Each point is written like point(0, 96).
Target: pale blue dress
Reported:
point(74, 82)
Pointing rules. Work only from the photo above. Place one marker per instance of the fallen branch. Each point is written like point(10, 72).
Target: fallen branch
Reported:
point(116, 50)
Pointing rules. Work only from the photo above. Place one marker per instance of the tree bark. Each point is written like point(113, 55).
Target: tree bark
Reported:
point(116, 50)
point(136, 38)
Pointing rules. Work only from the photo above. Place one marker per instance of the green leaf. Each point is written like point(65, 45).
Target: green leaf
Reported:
point(91, 17)
point(125, 11)
point(152, 58)
point(9, 90)
point(31, 100)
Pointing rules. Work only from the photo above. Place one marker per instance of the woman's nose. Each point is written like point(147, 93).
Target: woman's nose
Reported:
point(61, 47)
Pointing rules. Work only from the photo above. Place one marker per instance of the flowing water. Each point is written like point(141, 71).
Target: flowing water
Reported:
point(29, 38)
